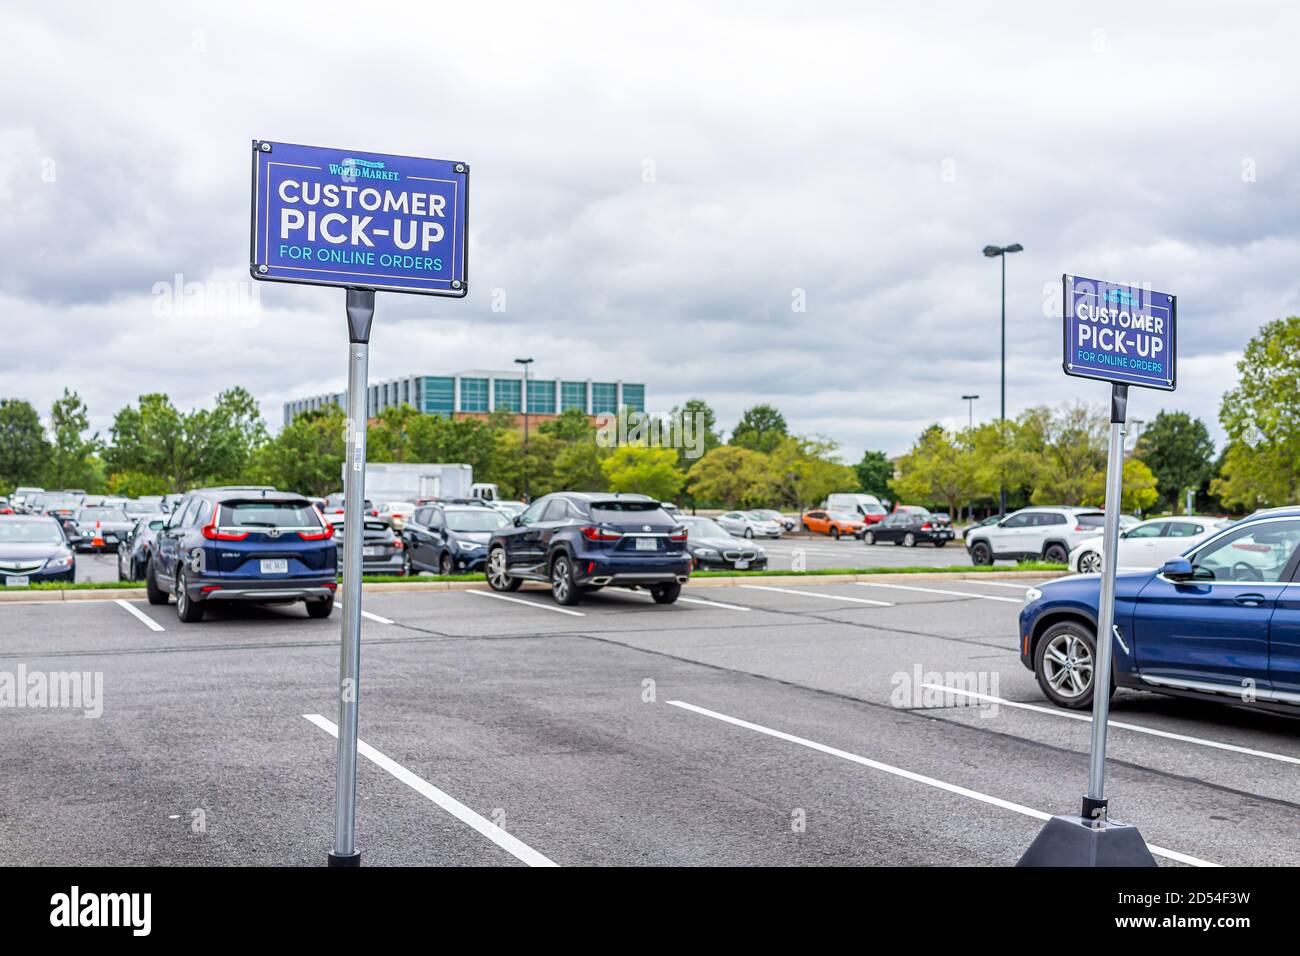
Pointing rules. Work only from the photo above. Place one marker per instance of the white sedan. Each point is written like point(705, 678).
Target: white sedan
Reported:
point(749, 524)
point(1147, 544)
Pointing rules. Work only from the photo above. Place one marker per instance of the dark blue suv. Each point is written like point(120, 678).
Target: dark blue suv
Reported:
point(239, 544)
point(1222, 622)
point(583, 541)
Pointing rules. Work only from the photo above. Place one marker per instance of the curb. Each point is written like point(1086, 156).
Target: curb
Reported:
point(136, 594)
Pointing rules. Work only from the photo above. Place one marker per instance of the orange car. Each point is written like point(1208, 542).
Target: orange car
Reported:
point(833, 523)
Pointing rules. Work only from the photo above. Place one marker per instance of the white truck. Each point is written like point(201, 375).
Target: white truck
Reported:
point(402, 481)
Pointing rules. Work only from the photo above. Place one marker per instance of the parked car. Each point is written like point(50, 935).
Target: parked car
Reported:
point(22, 497)
point(269, 547)
point(1147, 544)
point(1210, 624)
point(334, 505)
point(395, 513)
point(864, 508)
point(712, 549)
point(383, 551)
point(1049, 534)
point(63, 508)
point(910, 527)
point(451, 539)
point(34, 549)
point(583, 541)
point(98, 528)
point(5, 507)
point(833, 523)
point(749, 524)
point(982, 523)
point(170, 501)
point(137, 507)
point(509, 508)
point(785, 521)
point(136, 549)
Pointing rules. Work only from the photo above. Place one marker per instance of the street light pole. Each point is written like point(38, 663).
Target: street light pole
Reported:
point(1001, 253)
point(525, 362)
point(970, 409)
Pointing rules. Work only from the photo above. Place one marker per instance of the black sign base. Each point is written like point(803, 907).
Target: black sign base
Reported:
point(1074, 841)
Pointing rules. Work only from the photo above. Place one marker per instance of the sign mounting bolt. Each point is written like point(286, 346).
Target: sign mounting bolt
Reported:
point(461, 167)
point(263, 270)
point(264, 147)
point(455, 283)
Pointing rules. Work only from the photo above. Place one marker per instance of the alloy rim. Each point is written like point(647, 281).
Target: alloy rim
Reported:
point(1067, 665)
point(497, 567)
point(560, 579)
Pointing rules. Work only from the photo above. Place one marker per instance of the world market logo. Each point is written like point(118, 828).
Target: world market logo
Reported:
point(351, 169)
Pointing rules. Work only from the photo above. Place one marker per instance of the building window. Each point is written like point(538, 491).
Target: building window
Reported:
point(406, 391)
point(634, 397)
point(439, 396)
point(508, 394)
point(573, 395)
point(541, 397)
point(473, 395)
point(604, 398)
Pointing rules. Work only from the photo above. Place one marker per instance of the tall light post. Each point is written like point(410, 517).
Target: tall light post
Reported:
point(970, 409)
point(1000, 252)
point(525, 362)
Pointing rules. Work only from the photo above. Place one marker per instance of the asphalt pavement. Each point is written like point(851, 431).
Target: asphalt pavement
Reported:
point(758, 724)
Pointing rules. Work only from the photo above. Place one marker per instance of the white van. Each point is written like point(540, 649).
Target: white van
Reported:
point(866, 507)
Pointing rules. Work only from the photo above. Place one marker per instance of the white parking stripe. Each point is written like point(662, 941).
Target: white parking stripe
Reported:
point(828, 597)
point(915, 777)
point(536, 604)
point(729, 607)
point(512, 845)
point(148, 621)
point(1137, 728)
point(971, 594)
point(367, 614)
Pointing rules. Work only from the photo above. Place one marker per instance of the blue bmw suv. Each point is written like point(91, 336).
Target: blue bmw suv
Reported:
point(241, 544)
point(580, 542)
point(1221, 623)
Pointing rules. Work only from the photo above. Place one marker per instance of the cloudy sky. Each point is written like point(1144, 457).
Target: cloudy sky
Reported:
point(654, 189)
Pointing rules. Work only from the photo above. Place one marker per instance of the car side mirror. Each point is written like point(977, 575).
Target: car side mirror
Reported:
point(1177, 569)
point(518, 521)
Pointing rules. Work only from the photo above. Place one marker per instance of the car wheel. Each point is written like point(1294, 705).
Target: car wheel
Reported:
point(666, 593)
point(1063, 664)
point(444, 565)
point(121, 569)
point(1056, 554)
point(1089, 562)
point(498, 577)
point(835, 532)
point(408, 568)
point(563, 588)
point(320, 609)
point(749, 532)
point(981, 553)
point(869, 538)
point(188, 610)
point(806, 528)
point(156, 594)
point(940, 544)
point(909, 540)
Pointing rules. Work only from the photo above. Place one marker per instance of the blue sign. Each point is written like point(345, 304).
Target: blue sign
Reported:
point(361, 220)
point(1120, 333)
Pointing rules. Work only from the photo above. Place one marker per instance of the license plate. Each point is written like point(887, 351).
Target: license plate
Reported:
point(17, 581)
point(275, 566)
point(742, 565)
point(370, 552)
point(647, 544)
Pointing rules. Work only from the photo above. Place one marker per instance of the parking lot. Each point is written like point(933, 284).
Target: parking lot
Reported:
point(756, 724)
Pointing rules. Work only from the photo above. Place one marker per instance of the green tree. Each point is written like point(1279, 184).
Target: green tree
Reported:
point(938, 468)
point(761, 428)
point(648, 471)
point(874, 473)
point(1068, 449)
point(570, 425)
point(24, 450)
point(307, 455)
point(732, 477)
point(1177, 449)
point(390, 438)
point(510, 461)
point(692, 429)
point(73, 461)
point(578, 467)
point(1261, 417)
point(804, 471)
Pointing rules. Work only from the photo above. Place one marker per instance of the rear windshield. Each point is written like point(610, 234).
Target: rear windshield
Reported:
point(475, 520)
point(269, 514)
point(30, 532)
point(1091, 521)
point(648, 511)
point(101, 514)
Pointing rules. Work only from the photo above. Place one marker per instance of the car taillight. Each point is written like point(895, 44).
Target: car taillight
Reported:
point(926, 526)
point(398, 544)
point(1078, 527)
point(592, 533)
point(678, 534)
point(213, 533)
point(321, 535)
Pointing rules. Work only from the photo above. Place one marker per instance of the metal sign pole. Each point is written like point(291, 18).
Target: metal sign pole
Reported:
point(1094, 803)
point(361, 313)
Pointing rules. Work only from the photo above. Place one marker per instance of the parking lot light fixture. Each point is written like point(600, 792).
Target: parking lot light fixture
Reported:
point(1000, 252)
point(970, 401)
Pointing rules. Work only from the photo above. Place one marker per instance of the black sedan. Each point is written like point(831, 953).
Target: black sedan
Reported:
point(911, 527)
point(98, 528)
point(450, 538)
point(712, 549)
point(33, 550)
point(135, 551)
point(382, 549)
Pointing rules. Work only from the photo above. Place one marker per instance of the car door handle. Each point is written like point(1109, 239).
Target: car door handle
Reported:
point(1249, 600)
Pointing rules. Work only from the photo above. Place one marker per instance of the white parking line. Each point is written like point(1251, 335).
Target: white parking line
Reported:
point(367, 614)
point(135, 611)
point(536, 604)
point(512, 845)
point(972, 594)
point(828, 597)
point(1138, 728)
point(915, 777)
point(729, 607)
